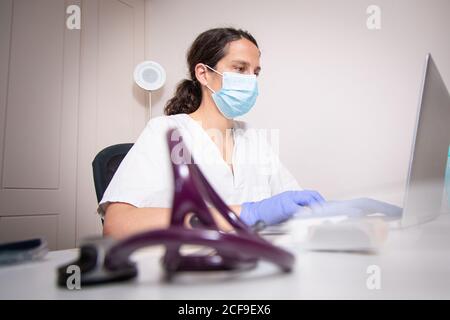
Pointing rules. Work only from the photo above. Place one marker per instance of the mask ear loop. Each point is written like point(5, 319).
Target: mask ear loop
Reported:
point(212, 69)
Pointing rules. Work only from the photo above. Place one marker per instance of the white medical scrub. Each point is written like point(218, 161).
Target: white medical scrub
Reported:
point(144, 178)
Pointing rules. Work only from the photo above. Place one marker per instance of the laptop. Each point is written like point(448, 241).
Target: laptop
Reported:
point(429, 153)
point(425, 185)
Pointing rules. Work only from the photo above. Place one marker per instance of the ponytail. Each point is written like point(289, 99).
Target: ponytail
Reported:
point(188, 96)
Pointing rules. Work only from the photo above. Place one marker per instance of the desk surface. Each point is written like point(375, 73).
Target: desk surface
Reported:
point(414, 264)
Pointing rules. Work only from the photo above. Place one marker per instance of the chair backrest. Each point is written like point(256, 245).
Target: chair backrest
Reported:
point(105, 165)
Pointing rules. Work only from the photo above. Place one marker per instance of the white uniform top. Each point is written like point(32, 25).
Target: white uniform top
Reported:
point(144, 178)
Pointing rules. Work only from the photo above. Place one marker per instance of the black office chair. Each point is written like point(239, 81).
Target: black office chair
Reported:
point(105, 165)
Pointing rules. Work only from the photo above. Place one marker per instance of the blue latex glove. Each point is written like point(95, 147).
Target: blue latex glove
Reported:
point(280, 207)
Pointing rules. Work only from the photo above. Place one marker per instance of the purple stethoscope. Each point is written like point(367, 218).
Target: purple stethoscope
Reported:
point(104, 260)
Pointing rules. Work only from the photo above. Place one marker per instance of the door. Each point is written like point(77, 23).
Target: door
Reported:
point(113, 109)
point(39, 67)
point(64, 95)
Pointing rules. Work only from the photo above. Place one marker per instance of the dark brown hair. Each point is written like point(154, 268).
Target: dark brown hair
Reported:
point(208, 48)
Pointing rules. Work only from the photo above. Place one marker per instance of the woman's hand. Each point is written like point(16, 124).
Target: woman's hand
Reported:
point(280, 207)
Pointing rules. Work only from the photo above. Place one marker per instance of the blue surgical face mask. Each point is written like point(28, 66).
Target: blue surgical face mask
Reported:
point(238, 93)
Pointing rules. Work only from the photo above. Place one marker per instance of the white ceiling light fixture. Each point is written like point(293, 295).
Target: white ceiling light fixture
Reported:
point(149, 75)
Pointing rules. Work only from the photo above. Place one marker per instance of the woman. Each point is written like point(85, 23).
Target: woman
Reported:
point(223, 65)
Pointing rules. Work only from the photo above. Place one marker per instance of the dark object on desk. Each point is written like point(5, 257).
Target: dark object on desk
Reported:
point(105, 260)
point(21, 251)
point(105, 164)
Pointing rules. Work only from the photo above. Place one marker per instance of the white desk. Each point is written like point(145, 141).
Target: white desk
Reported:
point(415, 263)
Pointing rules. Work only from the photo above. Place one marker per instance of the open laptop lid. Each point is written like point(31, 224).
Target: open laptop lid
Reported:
point(429, 152)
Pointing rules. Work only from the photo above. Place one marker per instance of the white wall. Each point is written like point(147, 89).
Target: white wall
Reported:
point(343, 96)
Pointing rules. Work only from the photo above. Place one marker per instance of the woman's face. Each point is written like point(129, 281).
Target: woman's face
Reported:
point(242, 57)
